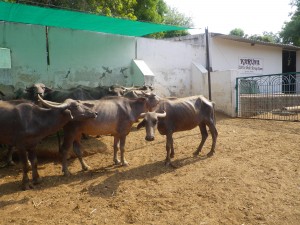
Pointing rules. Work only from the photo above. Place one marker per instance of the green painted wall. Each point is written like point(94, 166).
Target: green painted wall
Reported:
point(75, 57)
point(28, 53)
point(90, 58)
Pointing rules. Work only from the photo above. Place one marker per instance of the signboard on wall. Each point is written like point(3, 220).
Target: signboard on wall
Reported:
point(249, 65)
point(5, 59)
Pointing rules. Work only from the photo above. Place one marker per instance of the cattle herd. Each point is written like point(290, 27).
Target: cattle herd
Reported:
point(28, 116)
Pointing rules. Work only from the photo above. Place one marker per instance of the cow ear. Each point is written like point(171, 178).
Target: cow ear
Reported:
point(141, 124)
point(47, 89)
point(67, 111)
point(29, 89)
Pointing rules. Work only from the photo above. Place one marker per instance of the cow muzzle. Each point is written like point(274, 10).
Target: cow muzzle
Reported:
point(149, 138)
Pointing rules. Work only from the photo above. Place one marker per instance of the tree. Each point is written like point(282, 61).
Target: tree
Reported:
point(150, 10)
point(116, 8)
point(266, 37)
point(173, 17)
point(237, 32)
point(290, 33)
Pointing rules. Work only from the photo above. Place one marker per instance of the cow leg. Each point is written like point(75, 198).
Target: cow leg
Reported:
point(168, 149)
point(10, 150)
point(116, 149)
point(214, 134)
point(172, 148)
point(122, 149)
point(33, 161)
point(204, 136)
point(25, 180)
point(78, 152)
point(64, 154)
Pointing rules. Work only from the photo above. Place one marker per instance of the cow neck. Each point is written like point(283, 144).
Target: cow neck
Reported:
point(138, 106)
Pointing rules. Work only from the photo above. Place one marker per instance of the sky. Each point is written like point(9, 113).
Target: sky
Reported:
point(222, 16)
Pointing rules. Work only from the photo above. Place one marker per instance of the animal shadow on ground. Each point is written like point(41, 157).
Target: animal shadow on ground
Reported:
point(109, 186)
point(48, 153)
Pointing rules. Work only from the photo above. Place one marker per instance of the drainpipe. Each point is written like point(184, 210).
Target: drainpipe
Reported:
point(208, 63)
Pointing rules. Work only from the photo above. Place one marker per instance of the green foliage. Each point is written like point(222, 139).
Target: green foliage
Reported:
point(290, 33)
point(116, 8)
point(150, 10)
point(266, 37)
point(237, 32)
point(173, 17)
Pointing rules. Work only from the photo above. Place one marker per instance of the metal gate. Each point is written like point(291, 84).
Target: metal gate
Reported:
point(272, 97)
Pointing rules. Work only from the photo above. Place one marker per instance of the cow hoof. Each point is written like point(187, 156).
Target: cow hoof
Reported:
point(210, 154)
point(117, 162)
point(125, 163)
point(27, 186)
point(172, 155)
point(11, 163)
point(169, 164)
point(86, 168)
point(195, 154)
point(4, 164)
point(37, 181)
point(67, 173)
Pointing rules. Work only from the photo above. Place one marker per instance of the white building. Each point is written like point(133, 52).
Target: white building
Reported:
point(232, 57)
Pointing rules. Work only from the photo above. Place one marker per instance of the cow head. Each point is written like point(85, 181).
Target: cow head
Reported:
point(37, 89)
point(74, 108)
point(116, 90)
point(152, 100)
point(150, 123)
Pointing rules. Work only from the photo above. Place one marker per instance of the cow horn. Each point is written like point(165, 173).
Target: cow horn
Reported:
point(142, 115)
point(161, 115)
point(52, 104)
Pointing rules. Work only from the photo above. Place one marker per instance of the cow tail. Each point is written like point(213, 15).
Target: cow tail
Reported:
point(214, 114)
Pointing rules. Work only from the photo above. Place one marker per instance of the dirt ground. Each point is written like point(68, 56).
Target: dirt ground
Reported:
point(254, 178)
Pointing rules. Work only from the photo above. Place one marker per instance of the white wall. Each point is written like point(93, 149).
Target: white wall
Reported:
point(171, 63)
point(225, 55)
point(223, 90)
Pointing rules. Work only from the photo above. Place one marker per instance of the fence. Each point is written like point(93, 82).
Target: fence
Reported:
point(273, 97)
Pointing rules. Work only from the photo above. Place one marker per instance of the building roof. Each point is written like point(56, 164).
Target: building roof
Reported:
point(20, 13)
point(195, 38)
point(253, 42)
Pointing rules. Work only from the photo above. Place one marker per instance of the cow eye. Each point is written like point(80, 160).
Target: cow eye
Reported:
point(154, 122)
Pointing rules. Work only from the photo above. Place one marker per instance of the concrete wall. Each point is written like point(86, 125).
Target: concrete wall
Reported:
point(89, 58)
point(28, 53)
point(75, 57)
point(225, 55)
point(171, 63)
point(223, 90)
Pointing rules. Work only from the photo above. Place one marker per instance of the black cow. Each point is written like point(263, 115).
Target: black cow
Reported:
point(180, 114)
point(82, 93)
point(26, 124)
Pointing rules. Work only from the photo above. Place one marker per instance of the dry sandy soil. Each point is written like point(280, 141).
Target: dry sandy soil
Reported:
point(254, 178)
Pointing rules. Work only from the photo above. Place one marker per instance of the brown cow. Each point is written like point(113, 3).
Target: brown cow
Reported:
point(26, 124)
point(180, 114)
point(116, 116)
